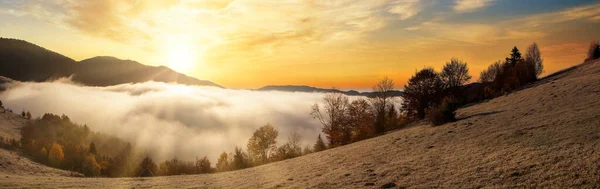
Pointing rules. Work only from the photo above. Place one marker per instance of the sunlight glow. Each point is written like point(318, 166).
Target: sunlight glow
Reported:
point(181, 56)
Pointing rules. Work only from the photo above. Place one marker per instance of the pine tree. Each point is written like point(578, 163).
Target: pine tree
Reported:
point(319, 145)
point(515, 56)
point(93, 148)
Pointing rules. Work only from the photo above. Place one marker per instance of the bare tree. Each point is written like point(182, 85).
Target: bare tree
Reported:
point(380, 101)
point(489, 75)
point(534, 57)
point(455, 73)
point(333, 118)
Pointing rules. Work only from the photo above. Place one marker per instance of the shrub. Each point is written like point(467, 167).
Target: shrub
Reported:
point(593, 51)
point(444, 113)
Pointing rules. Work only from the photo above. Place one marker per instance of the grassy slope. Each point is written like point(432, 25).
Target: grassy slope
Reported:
point(547, 135)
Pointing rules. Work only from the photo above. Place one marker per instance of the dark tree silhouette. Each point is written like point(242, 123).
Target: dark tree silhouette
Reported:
point(203, 165)
point(488, 75)
point(515, 56)
point(421, 92)
point(593, 51)
point(320, 144)
point(455, 73)
point(147, 168)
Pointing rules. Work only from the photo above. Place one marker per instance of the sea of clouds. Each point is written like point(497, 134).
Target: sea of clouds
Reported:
point(171, 120)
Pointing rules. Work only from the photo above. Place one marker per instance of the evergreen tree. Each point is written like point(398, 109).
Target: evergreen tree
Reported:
point(319, 145)
point(515, 56)
point(92, 148)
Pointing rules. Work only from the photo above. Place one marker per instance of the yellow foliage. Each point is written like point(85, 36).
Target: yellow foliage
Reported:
point(56, 155)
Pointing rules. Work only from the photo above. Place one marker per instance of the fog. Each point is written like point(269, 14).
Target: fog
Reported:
point(170, 120)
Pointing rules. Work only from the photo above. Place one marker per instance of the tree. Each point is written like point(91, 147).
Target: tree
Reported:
point(422, 91)
point(91, 167)
point(293, 143)
point(203, 165)
point(515, 56)
point(147, 168)
point(361, 118)
point(240, 159)
point(307, 150)
point(534, 57)
point(455, 73)
point(334, 118)
point(319, 145)
point(489, 75)
point(1, 103)
point(92, 148)
point(56, 155)
point(23, 114)
point(381, 102)
point(223, 162)
point(593, 51)
point(28, 115)
point(262, 143)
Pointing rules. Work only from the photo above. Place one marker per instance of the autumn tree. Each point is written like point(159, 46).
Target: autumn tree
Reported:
point(361, 119)
point(262, 143)
point(333, 118)
point(91, 167)
point(320, 144)
point(381, 102)
point(421, 92)
point(223, 162)
point(28, 115)
point(203, 165)
point(56, 155)
point(147, 168)
point(534, 57)
point(489, 75)
point(455, 73)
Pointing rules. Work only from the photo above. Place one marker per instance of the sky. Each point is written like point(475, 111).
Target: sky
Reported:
point(343, 43)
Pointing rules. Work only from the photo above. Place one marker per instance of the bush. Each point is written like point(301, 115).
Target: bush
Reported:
point(444, 113)
point(593, 51)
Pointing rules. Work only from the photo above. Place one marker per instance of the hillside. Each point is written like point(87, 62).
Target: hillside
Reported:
point(309, 89)
point(546, 136)
point(24, 61)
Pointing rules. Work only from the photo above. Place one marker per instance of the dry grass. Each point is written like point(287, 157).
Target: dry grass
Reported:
point(545, 136)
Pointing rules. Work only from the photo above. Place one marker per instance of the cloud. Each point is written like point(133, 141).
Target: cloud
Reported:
point(169, 120)
point(405, 9)
point(462, 6)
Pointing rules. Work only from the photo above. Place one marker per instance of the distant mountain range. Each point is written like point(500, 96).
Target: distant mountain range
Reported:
point(24, 61)
point(309, 89)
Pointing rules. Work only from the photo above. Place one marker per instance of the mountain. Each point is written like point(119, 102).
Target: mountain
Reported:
point(309, 89)
point(24, 61)
point(546, 135)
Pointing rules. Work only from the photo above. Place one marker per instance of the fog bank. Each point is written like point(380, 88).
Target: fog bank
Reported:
point(168, 120)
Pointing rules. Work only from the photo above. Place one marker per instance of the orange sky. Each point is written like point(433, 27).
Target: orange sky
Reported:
point(346, 44)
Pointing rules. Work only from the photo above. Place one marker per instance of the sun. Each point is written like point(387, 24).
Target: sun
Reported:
point(181, 58)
